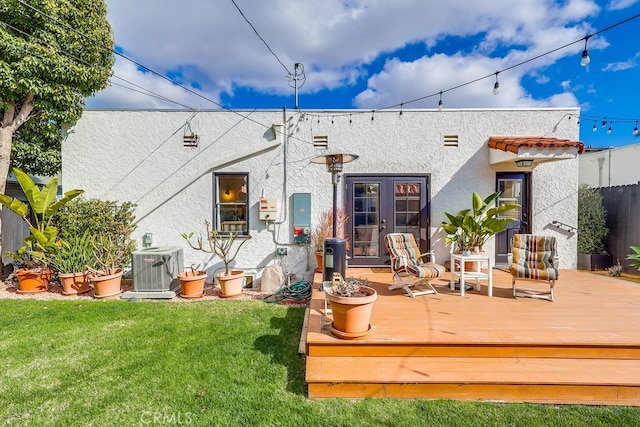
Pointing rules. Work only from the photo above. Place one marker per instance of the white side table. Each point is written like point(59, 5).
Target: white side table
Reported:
point(477, 274)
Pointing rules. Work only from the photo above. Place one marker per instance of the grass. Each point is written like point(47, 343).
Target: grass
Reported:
point(209, 363)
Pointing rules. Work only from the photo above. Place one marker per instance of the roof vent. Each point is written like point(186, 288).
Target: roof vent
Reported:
point(320, 141)
point(451, 140)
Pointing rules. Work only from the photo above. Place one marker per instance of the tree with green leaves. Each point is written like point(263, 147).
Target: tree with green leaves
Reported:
point(53, 54)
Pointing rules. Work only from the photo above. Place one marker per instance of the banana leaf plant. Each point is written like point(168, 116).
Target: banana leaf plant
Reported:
point(42, 204)
point(471, 228)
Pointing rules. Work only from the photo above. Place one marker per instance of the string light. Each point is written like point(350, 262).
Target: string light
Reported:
point(585, 53)
point(401, 108)
point(636, 132)
point(372, 112)
point(610, 128)
point(496, 85)
point(604, 121)
point(595, 128)
point(440, 102)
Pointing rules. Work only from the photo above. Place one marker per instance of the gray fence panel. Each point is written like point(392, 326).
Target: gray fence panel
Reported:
point(622, 204)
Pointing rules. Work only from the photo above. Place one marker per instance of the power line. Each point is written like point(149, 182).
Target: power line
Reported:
point(260, 37)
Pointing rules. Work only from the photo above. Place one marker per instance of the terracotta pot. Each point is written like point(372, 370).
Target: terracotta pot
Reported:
point(107, 286)
point(319, 261)
point(192, 283)
point(351, 315)
point(32, 281)
point(231, 285)
point(74, 283)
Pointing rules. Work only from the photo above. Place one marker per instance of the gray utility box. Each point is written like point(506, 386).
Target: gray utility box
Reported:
point(156, 269)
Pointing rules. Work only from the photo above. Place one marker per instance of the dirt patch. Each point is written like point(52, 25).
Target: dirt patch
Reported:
point(8, 290)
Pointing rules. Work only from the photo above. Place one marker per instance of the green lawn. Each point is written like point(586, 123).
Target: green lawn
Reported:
point(210, 363)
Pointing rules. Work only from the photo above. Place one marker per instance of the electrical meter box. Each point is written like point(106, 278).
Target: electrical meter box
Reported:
point(301, 210)
point(268, 209)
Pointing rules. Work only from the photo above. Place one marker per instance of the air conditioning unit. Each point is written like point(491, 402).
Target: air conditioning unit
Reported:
point(156, 269)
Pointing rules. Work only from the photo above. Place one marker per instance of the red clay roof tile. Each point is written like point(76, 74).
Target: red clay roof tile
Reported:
point(513, 143)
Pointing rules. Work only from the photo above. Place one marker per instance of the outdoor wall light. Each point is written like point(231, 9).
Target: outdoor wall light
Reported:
point(523, 163)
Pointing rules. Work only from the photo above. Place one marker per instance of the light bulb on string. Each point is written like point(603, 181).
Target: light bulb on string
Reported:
point(440, 102)
point(636, 132)
point(595, 128)
point(496, 85)
point(610, 128)
point(585, 54)
point(604, 121)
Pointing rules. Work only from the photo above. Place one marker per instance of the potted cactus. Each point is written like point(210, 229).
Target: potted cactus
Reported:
point(351, 305)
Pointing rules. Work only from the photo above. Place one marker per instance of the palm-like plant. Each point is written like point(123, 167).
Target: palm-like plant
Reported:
point(43, 205)
point(635, 257)
point(471, 228)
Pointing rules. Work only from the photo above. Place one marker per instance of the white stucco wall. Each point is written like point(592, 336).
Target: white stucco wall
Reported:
point(138, 156)
point(611, 167)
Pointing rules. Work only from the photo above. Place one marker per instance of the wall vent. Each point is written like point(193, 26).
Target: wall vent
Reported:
point(190, 140)
point(451, 140)
point(320, 141)
point(156, 269)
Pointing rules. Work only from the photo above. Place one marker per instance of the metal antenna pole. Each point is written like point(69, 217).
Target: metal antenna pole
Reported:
point(298, 76)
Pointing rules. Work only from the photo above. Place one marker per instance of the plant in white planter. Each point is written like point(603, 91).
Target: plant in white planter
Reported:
point(225, 247)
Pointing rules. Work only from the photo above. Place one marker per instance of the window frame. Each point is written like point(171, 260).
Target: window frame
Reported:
point(218, 203)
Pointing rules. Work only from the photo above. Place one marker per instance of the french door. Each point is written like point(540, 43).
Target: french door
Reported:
point(378, 205)
point(513, 188)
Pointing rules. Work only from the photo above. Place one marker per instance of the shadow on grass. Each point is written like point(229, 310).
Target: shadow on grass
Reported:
point(283, 347)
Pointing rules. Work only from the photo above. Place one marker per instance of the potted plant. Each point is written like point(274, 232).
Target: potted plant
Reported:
point(351, 305)
point(469, 229)
point(223, 246)
point(43, 239)
point(325, 230)
point(110, 257)
point(192, 283)
point(71, 262)
point(592, 229)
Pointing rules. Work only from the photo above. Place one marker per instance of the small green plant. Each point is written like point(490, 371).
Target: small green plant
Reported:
point(615, 270)
point(592, 221)
point(221, 245)
point(635, 257)
point(75, 255)
point(109, 255)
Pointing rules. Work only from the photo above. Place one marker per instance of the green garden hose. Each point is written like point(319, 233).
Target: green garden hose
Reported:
point(297, 291)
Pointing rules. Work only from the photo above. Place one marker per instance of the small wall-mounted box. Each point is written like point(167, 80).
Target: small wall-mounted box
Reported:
point(268, 209)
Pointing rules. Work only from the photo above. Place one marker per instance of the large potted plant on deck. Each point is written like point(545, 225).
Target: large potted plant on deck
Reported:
point(469, 229)
point(43, 204)
point(225, 247)
point(592, 229)
point(351, 306)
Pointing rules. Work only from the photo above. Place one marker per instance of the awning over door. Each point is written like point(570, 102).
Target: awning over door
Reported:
point(529, 151)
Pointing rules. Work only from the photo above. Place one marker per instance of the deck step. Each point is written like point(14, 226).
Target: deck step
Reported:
point(537, 380)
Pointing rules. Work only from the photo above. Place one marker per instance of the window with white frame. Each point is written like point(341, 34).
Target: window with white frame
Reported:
point(232, 205)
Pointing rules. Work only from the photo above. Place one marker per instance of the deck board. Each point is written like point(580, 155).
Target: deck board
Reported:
point(588, 335)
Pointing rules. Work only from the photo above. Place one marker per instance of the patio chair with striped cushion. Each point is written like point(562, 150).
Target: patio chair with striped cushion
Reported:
point(534, 257)
point(407, 265)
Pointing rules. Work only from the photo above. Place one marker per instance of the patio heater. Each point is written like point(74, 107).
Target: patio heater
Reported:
point(334, 254)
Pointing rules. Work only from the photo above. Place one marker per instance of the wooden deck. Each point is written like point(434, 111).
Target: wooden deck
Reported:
point(583, 348)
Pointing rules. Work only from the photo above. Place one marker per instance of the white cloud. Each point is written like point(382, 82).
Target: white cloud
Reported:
point(623, 65)
point(208, 42)
point(621, 4)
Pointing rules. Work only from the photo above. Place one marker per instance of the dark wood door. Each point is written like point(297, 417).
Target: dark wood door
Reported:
point(514, 188)
point(378, 205)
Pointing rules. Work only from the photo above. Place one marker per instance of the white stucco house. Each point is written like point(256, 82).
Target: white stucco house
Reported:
point(611, 166)
point(412, 166)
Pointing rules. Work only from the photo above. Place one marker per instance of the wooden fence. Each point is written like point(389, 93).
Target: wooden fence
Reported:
point(622, 204)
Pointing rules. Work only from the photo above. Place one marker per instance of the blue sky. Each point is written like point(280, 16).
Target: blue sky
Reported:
point(370, 54)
